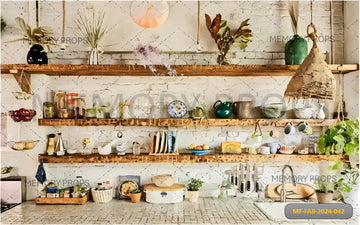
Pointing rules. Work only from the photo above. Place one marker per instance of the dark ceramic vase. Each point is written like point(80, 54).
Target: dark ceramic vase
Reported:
point(37, 55)
point(296, 50)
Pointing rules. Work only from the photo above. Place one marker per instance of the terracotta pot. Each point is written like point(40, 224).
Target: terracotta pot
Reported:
point(193, 196)
point(135, 197)
point(324, 197)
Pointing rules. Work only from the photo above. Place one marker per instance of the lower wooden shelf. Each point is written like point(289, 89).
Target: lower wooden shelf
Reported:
point(169, 122)
point(188, 158)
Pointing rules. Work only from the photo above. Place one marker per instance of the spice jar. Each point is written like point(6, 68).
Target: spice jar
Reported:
point(79, 107)
point(51, 145)
point(48, 110)
point(65, 113)
point(60, 101)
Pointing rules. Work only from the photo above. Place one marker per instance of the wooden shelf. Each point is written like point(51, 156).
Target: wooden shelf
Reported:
point(139, 70)
point(168, 122)
point(187, 158)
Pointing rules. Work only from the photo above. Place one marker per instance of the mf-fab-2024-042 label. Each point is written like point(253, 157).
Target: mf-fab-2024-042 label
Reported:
point(318, 211)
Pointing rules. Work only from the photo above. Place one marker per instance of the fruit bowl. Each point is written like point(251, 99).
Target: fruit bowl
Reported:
point(22, 114)
point(22, 145)
point(199, 152)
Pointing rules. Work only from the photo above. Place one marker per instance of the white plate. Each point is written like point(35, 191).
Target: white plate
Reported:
point(162, 142)
point(157, 142)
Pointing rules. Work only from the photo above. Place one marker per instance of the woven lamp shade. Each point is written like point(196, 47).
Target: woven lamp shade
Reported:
point(313, 78)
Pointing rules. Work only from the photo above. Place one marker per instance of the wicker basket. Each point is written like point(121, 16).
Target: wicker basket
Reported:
point(102, 196)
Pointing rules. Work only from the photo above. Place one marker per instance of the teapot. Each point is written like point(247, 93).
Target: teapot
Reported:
point(223, 109)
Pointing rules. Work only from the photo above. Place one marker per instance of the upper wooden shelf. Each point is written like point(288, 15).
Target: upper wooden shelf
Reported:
point(169, 122)
point(188, 158)
point(185, 70)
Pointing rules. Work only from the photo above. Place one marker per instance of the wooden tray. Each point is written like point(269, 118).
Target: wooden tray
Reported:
point(62, 201)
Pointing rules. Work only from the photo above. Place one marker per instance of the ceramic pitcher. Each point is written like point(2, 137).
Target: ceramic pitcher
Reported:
point(222, 109)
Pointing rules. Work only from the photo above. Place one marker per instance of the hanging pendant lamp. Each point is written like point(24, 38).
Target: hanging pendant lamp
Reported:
point(313, 78)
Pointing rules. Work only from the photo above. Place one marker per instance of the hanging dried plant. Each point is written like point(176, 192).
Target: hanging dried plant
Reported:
point(294, 15)
point(91, 27)
point(221, 33)
point(40, 35)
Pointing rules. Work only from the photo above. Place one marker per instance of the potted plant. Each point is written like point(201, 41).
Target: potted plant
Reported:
point(193, 189)
point(325, 191)
point(37, 38)
point(200, 112)
point(135, 195)
point(92, 27)
point(348, 183)
point(342, 138)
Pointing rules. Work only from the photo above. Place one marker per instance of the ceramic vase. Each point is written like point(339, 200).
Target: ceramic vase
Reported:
point(37, 55)
point(296, 50)
point(321, 113)
point(94, 57)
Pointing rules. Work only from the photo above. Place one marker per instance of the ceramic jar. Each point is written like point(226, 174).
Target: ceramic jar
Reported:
point(296, 50)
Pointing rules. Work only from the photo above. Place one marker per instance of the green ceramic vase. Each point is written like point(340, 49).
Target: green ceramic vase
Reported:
point(296, 50)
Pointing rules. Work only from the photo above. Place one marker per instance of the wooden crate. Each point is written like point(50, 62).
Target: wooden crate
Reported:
point(62, 201)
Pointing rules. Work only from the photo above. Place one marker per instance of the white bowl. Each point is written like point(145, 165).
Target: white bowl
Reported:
point(304, 113)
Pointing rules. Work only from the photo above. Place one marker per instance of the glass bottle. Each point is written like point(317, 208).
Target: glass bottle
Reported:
point(60, 148)
point(48, 110)
point(51, 145)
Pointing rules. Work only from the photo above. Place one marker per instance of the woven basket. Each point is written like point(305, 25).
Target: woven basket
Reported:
point(313, 78)
point(102, 196)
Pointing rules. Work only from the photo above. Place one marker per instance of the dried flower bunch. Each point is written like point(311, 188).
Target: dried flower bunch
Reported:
point(294, 15)
point(40, 35)
point(92, 27)
point(220, 31)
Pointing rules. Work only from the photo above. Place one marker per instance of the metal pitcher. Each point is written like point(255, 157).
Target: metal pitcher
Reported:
point(242, 109)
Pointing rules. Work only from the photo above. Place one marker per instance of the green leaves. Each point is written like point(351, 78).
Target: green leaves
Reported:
point(194, 184)
point(342, 138)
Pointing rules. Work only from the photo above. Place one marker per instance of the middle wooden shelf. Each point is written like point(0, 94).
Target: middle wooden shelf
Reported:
point(169, 122)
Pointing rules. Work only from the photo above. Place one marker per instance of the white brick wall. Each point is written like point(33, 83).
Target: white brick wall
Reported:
point(268, 19)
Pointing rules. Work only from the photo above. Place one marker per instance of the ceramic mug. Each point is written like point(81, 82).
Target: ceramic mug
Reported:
point(265, 150)
point(274, 147)
point(304, 127)
point(289, 128)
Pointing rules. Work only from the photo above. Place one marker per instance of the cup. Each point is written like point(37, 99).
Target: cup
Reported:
point(304, 127)
point(265, 150)
point(289, 128)
point(274, 147)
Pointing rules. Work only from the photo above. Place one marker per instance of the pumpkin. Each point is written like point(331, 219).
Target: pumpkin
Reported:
point(149, 14)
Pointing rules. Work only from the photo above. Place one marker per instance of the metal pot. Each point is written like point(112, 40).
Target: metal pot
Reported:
point(242, 109)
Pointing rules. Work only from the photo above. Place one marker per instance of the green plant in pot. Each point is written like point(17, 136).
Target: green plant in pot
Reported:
point(348, 183)
point(135, 195)
point(340, 139)
point(296, 49)
point(193, 189)
point(200, 112)
point(324, 191)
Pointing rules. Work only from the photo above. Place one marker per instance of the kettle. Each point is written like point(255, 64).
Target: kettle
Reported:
point(222, 109)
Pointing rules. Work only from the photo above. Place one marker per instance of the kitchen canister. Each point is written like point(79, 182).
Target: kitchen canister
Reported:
point(164, 180)
point(161, 195)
